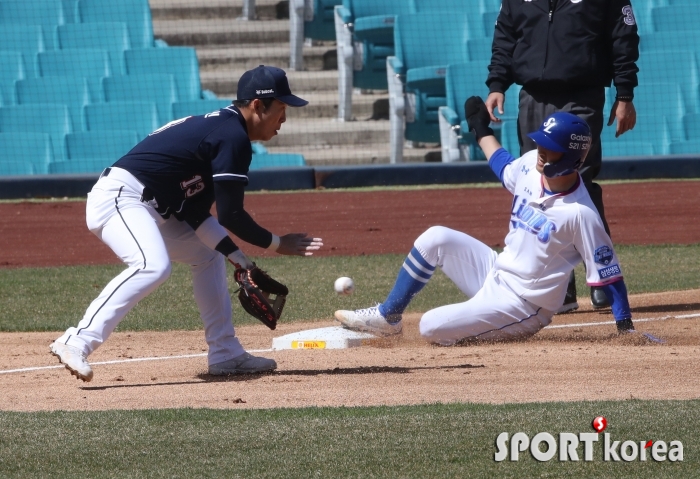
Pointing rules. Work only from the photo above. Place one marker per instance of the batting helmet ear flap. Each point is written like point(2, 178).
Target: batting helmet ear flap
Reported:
point(567, 134)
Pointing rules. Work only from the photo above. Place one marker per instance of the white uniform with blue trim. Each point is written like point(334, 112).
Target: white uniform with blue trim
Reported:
point(515, 293)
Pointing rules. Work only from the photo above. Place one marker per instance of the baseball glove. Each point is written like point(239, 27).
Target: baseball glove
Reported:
point(256, 287)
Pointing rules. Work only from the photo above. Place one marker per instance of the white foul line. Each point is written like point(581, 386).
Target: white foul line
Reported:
point(133, 360)
point(642, 320)
point(119, 361)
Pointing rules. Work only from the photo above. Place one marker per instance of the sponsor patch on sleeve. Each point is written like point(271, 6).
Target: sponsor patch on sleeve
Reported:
point(610, 271)
point(603, 255)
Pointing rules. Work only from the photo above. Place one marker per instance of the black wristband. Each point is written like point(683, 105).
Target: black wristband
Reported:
point(624, 98)
point(481, 131)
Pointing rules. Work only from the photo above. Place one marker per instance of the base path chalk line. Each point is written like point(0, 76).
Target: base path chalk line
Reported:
point(163, 358)
point(641, 320)
point(119, 361)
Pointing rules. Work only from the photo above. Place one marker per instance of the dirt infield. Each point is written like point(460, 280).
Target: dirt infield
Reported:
point(572, 363)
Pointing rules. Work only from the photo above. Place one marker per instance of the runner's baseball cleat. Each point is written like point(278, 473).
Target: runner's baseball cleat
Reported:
point(370, 320)
point(74, 360)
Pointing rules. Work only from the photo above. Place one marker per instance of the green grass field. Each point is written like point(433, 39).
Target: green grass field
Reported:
point(428, 441)
point(51, 299)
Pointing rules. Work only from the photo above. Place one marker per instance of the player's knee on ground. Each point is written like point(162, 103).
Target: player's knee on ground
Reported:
point(436, 332)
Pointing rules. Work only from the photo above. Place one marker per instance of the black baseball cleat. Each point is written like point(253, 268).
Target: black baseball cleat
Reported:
point(598, 298)
point(626, 326)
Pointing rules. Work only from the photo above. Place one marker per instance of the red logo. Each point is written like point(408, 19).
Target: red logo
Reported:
point(599, 424)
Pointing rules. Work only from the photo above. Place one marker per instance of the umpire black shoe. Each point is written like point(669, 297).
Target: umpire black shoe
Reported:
point(598, 298)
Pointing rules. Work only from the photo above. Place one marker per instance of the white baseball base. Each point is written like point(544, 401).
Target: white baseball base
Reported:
point(333, 337)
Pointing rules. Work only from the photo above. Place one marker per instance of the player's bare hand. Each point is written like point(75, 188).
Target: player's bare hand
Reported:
point(299, 244)
point(626, 116)
point(495, 99)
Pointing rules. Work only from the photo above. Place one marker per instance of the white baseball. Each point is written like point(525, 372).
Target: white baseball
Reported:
point(344, 285)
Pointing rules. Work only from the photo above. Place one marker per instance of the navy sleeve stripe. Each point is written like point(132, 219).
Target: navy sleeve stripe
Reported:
point(222, 175)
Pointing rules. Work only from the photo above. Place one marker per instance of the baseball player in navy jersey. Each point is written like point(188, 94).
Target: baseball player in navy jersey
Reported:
point(553, 227)
point(153, 207)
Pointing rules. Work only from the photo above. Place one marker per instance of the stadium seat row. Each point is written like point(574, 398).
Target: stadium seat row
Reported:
point(29, 153)
point(49, 14)
point(95, 64)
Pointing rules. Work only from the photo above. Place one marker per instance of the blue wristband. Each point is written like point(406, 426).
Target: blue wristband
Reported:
point(499, 160)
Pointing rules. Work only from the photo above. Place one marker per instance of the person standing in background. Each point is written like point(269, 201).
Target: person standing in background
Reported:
point(564, 53)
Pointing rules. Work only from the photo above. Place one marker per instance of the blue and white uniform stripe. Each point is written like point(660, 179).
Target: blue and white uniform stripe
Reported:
point(417, 267)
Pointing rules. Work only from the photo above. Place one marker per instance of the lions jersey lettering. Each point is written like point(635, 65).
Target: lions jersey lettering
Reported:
point(529, 219)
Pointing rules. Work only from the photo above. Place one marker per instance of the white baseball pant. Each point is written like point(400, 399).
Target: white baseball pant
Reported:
point(147, 243)
point(494, 312)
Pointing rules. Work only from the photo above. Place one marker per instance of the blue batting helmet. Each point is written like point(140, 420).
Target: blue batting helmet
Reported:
point(566, 133)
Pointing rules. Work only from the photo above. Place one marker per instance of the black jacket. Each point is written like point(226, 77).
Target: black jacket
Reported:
point(582, 43)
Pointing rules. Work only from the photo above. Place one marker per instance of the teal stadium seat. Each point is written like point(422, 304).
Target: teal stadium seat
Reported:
point(650, 129)
point(364, 32)
point(662, 99)
point(72, 91)
point(157, 87)
point(136, 14)
point(276, 160)
point(690, 126)
point(182, 109)
point(11, 70)
point(26, 39)
point(622, 147)
point(674, 18)
point(112, 37)
point(481, 14)
point(51, 118)
point(313, 19)
point(321, 26)
point(650, 43)
point(93, 151)
point(463, 80)
point(46, 13)
point(89, 63)
point(480, 49)
point(371, 24)
point(181, 62)
point(509, 137)
point(141, 116)
point(666, 66)
point(28, 147)
point(689, 147)
point(416, 74)
point(15, 168)
point(70, 11)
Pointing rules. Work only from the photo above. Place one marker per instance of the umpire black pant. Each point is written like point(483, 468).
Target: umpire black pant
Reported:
point(536, 103)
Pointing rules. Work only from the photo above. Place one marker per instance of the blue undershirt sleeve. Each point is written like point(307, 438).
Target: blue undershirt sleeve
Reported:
point(499, 160)
point(617, 295)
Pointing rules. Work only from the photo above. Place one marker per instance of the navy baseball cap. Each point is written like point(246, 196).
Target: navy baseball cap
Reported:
point(267, 82)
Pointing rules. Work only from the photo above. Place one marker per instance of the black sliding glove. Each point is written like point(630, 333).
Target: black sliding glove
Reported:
point(477, 117)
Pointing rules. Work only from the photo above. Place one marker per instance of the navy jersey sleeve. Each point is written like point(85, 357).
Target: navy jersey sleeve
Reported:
point(229, 151)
